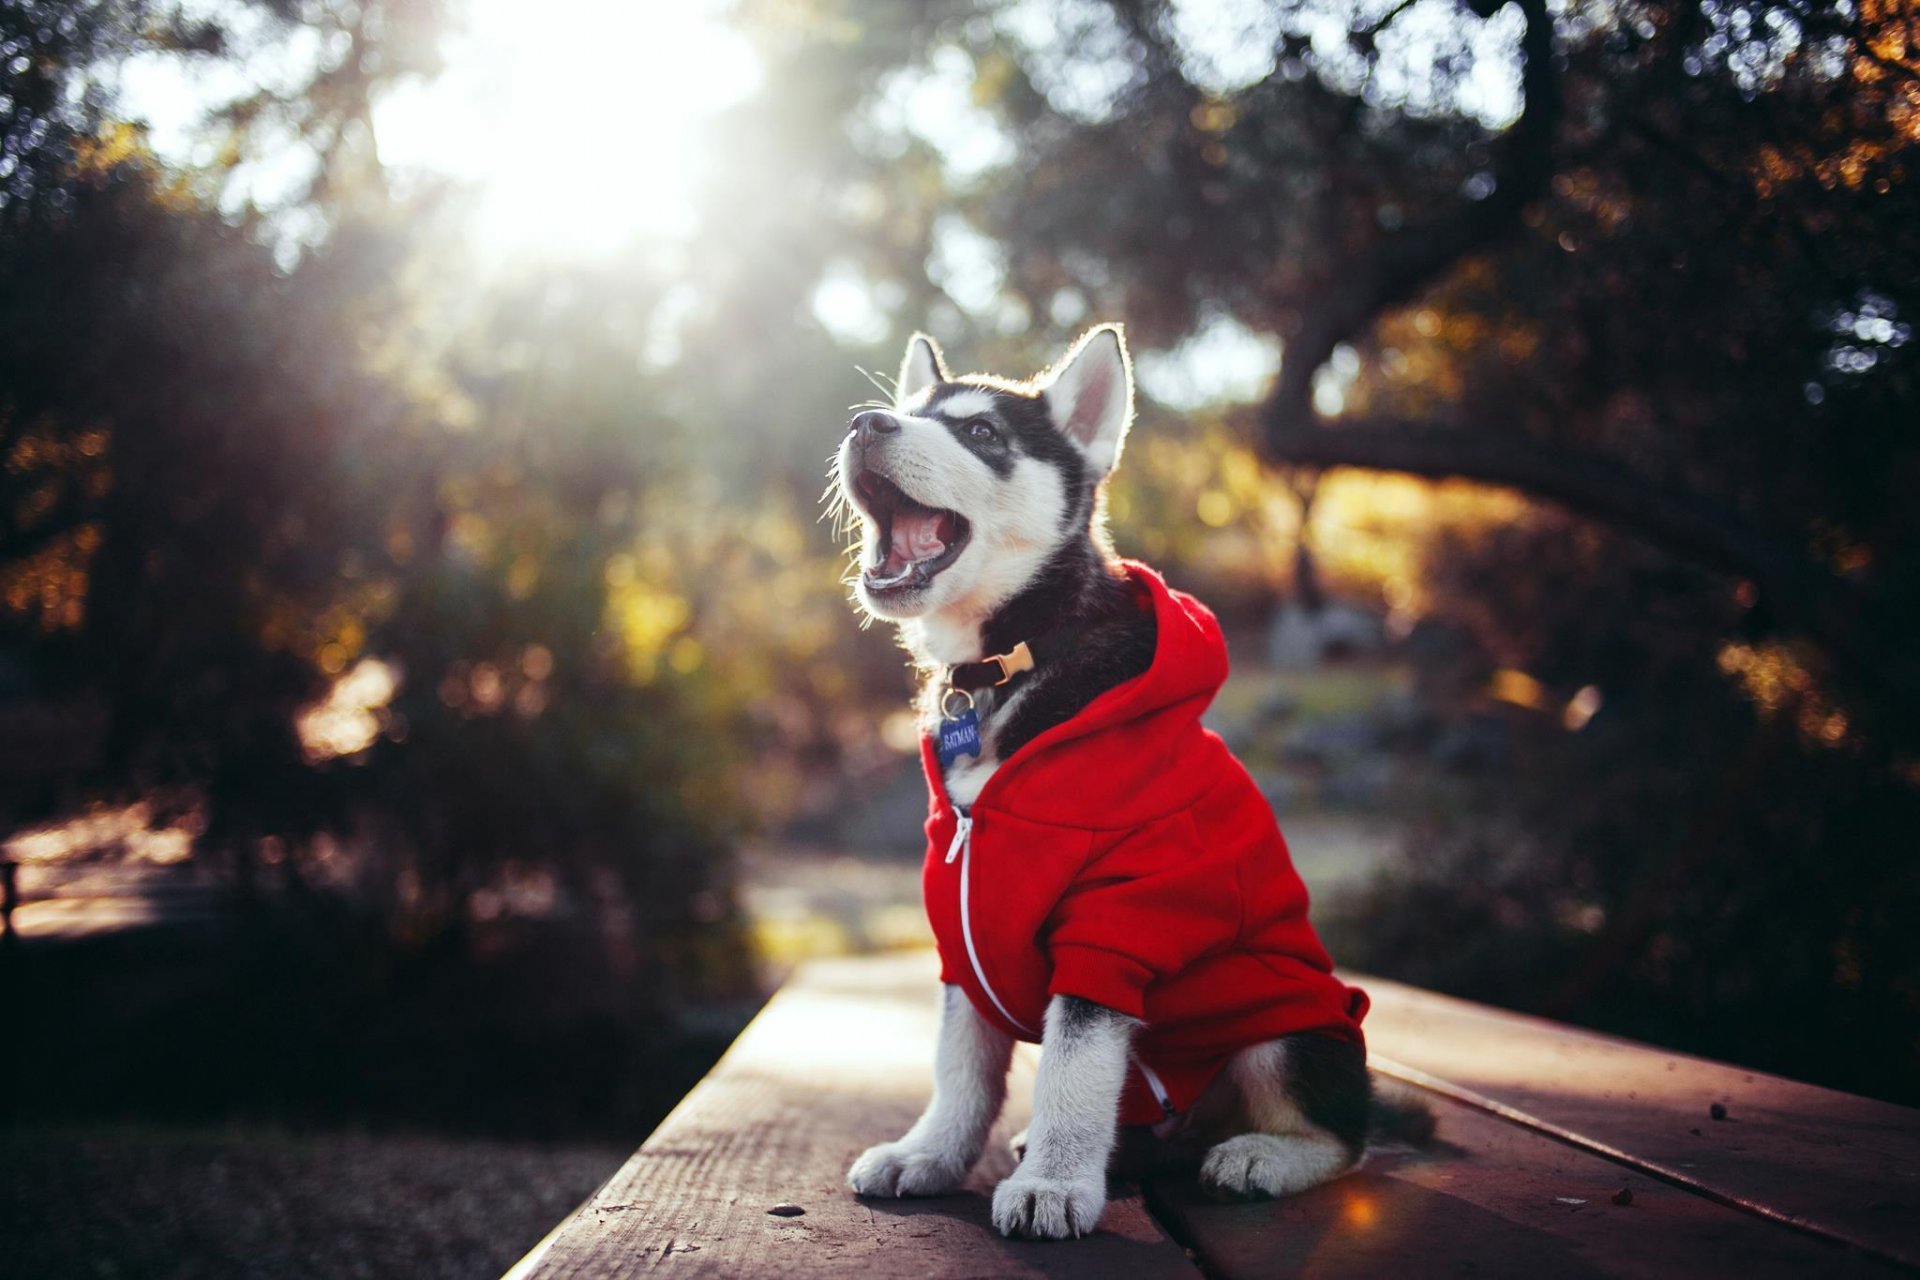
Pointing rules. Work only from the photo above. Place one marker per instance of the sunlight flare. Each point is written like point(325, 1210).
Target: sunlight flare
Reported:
point(575, 125)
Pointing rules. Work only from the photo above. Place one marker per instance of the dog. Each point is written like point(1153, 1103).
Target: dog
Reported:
point(1101, 874)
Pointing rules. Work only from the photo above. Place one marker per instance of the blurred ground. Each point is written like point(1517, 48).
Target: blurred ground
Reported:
point(209, 1203)
point(179, 1100)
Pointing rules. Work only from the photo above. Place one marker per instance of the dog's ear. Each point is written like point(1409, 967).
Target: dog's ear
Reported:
point(1090, 395)
point(923, 367)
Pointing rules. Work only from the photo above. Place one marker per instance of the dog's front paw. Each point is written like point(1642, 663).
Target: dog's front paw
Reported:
point(1048, 1208)
point(897, 1169)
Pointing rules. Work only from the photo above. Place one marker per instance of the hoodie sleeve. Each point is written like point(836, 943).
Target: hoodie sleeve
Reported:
point(1149, 906)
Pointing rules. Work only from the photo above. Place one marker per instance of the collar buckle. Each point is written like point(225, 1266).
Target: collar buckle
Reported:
point(1013, 663)
point(992, 672)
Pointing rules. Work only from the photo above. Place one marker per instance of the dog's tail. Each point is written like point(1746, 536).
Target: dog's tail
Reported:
point(1396, 1116)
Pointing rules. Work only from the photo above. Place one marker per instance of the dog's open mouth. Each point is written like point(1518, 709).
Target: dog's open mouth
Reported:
point(916, 541)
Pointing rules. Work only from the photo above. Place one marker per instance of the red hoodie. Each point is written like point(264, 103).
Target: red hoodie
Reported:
point(1126, 857)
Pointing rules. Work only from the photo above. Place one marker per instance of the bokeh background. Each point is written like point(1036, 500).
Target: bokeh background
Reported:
point(431, 717)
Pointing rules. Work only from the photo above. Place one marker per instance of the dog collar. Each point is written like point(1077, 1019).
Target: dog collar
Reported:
point(988, 673)
point(1000, 668)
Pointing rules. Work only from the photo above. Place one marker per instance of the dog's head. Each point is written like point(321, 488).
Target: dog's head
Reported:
point(966, 486)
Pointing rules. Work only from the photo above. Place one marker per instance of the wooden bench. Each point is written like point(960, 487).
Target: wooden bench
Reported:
point(1545, 1131)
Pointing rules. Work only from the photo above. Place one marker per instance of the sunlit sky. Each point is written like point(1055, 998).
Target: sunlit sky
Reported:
point(573, 123)
point(574, 126)
point(575, 143)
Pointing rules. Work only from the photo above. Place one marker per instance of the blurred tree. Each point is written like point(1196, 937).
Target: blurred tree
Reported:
point(326, 583)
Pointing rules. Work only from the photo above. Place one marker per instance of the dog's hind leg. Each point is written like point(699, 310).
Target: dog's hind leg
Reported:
point(969, 1086)
point(1305, 1099)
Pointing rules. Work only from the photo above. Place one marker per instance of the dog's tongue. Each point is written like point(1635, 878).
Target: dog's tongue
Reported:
point(919, 535)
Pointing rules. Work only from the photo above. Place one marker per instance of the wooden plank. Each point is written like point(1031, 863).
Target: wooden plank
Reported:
point(1495, 1200)
point(840, 1059)
point(1828, 1162)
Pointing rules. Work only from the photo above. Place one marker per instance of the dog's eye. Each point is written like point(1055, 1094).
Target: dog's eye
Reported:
point(981, 429)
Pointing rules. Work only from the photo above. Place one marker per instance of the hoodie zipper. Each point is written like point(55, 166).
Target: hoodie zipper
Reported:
point(962, 834)
point(962, 848)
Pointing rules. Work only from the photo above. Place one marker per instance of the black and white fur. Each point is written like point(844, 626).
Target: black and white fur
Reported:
point(1015, 471)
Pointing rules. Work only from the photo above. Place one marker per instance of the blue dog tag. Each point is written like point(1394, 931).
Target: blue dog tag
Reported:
point(959, 737)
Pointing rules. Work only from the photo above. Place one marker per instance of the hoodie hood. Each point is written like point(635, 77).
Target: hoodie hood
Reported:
point(1148, 716)
point(1189, 660)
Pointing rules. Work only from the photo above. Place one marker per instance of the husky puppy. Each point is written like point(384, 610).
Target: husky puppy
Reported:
point(1101, 875)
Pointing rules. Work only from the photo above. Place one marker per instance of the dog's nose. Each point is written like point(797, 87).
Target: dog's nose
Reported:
point(874, 422)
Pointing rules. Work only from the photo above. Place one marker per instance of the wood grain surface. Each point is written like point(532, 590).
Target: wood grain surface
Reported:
point(1557, 1122)
point(1830, 1161)
point(1493, 1201)
point(840, 1059)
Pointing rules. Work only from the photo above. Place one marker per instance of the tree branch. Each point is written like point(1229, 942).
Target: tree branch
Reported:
point(1852, 626)
point(1385, 20)
point(1397, 268)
